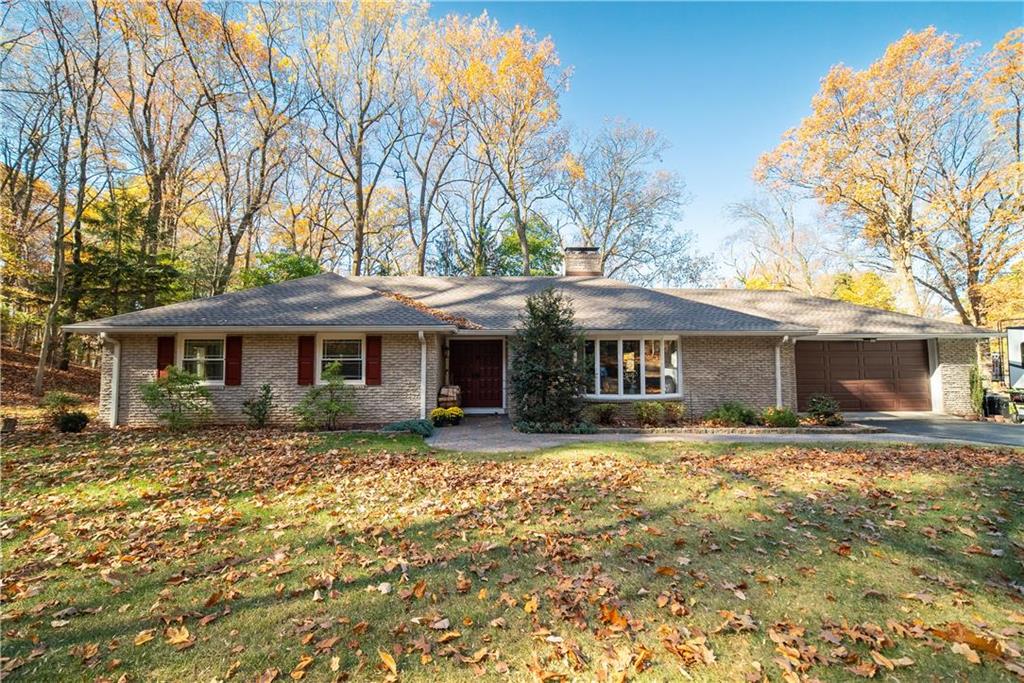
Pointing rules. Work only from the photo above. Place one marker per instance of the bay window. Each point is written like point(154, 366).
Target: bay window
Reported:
point(608, 365)
point(632, 367)
point(589, 362)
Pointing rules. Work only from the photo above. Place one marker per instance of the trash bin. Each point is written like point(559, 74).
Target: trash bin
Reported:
point(996, 404)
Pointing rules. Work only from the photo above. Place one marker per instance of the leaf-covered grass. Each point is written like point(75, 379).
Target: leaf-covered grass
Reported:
point(241, 554)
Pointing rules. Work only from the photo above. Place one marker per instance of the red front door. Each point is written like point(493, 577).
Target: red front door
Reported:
point(476, 367)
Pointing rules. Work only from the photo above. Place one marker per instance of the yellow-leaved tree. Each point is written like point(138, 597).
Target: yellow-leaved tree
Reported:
point(865, 147)
point(358, 60)
point(864, 288)
point(507, 88)
point(921, 153)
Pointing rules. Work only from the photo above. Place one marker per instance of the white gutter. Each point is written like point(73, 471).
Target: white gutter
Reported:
point(85, 328)
point(423, 375)
point(615, 334)
point(864, 336)
point(778, 371)
point(115, 378)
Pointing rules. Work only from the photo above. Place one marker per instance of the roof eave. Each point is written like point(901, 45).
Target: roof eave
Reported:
point(846, 336)
point(791, 332)
point(88, 328)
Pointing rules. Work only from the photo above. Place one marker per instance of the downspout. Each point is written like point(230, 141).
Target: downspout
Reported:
point(778, 371)
point(115, 377)
point(423, 375)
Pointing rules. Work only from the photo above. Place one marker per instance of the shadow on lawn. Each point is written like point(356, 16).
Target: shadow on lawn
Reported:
point(549, 530)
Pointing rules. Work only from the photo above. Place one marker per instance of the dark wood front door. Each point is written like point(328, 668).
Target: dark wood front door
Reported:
point(476, 366)
point(881, 375)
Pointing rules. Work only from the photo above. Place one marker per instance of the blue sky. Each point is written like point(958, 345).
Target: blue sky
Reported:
point(722, 81)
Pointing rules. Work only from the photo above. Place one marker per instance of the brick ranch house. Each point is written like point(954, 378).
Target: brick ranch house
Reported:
point(399, 339)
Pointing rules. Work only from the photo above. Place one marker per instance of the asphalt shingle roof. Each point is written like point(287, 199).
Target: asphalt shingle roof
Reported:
point(325, 300)
point(495, 303)
point(829, 316)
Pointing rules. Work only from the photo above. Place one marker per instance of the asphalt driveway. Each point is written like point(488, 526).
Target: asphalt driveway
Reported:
point(493, 434)
point(936, 426)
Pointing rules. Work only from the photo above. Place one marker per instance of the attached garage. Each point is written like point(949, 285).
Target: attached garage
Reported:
point(865, 375)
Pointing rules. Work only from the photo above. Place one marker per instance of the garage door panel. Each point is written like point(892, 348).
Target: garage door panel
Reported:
point(865, 375)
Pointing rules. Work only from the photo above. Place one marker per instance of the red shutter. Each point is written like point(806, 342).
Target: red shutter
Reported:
point(372, 361)
point(307, 353)
point(164, 354)
point(233, 361)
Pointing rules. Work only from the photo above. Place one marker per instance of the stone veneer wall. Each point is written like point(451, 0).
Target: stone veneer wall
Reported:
point(955, 357)
point(273, 358)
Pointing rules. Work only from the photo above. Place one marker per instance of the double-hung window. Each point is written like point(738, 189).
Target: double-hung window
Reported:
point(345, 355)
point(632, 367)
point(204, 358)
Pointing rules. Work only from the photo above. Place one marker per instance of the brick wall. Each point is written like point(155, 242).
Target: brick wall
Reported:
point(955, 357)
point(273, 358)
point(714, 369)
point(720, 369)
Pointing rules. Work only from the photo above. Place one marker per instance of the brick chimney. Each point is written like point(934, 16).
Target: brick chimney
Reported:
point(583, 261)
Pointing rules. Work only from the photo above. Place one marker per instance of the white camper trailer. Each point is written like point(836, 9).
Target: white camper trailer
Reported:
point(1015, 356)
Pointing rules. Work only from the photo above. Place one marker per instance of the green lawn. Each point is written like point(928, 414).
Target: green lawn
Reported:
point(246, 555)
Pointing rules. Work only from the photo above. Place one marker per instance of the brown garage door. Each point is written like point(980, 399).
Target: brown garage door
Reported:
point(878, 375)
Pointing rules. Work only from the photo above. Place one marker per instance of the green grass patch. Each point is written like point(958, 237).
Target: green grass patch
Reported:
point(256, 553)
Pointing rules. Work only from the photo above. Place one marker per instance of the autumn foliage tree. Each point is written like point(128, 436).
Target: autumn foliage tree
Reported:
point(920, 153)
point(157, 151)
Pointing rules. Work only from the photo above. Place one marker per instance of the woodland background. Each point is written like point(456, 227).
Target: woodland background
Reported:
point(160, 151)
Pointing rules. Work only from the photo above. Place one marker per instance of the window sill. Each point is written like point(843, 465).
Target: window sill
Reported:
point(627, 398)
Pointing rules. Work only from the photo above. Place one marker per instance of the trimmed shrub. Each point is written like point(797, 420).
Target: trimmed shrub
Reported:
point(439, 416)
point(601, 413)
point(824, 409)
point(177, 399)
point(454, 414)
point(325, 406)
point(422, 427)
point(649, 413)
point(779, 417)
point(581, 427)
point(977, 392)
point(257, 409)
point(675, 412)
point(57, 404)
point(74, 421)
point(732, 414)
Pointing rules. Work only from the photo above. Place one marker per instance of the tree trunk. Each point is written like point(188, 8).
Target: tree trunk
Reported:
point(907, 298)
point(357, 249)
point(50, 326)
point(151, 240)
point(524, 244)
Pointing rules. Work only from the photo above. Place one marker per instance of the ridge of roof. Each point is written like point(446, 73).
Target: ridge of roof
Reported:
point(602, 304)
point(811, 305)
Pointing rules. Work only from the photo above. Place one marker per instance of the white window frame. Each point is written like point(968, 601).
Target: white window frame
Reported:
point(643, 395)
point(323, 336)
point(179, 353)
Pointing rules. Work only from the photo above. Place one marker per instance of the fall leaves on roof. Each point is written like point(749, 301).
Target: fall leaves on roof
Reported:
point(458, 321)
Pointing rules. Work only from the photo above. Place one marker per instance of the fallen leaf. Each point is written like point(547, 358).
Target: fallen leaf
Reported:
point(389, 661)
point(964, 649)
